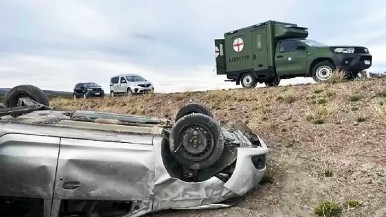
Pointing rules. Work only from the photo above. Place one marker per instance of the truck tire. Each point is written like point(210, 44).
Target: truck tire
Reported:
point(11, 98)
point(191, 108)
point(273, 83)
point(352, 75)
point(196, 141)
point(248, 80)
point(322, 71)
point(112, 94)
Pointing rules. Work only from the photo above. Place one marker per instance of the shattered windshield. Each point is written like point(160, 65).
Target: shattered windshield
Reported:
point(313, 43)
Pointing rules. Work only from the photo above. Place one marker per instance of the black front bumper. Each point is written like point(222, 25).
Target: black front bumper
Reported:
point(352, 62)
point(95, 94)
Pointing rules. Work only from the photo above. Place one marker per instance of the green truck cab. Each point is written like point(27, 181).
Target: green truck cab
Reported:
point(270, 51)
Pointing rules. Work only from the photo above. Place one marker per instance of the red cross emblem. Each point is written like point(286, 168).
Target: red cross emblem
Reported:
point(238, 44)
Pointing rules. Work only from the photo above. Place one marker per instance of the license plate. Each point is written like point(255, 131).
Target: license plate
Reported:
point(97, 94)
point(367, 62)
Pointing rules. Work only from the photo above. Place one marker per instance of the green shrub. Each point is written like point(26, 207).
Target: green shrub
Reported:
point(355, 97)
point(328, 209)
point(353, 203)
point(329, 172)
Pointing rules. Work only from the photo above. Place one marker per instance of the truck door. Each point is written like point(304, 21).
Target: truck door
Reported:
point(260, 49)
point(220, 57)
point(290, 57)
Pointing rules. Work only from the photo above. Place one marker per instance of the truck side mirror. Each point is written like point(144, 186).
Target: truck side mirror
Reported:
point(301, 47)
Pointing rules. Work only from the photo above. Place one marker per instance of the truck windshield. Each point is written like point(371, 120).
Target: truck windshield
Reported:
point(313, 43)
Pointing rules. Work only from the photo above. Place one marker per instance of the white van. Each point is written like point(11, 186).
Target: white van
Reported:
point(129, 84)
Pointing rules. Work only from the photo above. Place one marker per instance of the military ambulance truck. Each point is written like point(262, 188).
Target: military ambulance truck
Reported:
point(270, 51)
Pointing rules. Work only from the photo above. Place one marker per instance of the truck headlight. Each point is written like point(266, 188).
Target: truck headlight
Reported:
point(344, 50)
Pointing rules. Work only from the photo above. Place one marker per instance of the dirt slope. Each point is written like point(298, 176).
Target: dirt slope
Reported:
point(310, 130)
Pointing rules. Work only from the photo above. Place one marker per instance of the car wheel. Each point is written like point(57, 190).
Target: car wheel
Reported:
point(273, 83)
point(196, 141)
point(84, 96)
point(248, 80)
point(112, 94)
point(193, 108)
point(322, 71)
point(129, 92)
point(11, 98)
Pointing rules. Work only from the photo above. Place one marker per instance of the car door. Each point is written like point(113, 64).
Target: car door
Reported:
point(122, 84)
point(77, 90)
point(290, 58)
point(110, 171)
point(28, 166)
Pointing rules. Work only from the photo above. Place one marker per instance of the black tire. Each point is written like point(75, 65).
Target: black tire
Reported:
point(129, 92)
point(193, 108)
point(196, 141)
point(352, 75)
point(273, 83)
point(112, 94)
point(248, 80)
point(322, 71)
point(13, 95)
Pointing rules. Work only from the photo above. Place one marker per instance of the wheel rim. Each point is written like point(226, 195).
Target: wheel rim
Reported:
point(323, 73)
point(247, 80)
point(74, 96)
point(197, 142)
point(84, 96)
point(112, 94)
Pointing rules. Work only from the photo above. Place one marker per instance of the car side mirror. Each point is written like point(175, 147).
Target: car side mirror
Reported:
point(301, 47)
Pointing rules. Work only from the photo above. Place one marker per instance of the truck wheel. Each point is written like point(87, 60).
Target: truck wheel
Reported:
point(273, 83)
point(322, 71)
point(11, 98)
point(112, 94)
point(193, 108)
point(196, 141)
point(248, 80)
point(352, 75)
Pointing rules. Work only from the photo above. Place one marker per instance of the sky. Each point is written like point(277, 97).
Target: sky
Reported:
point(55, 44)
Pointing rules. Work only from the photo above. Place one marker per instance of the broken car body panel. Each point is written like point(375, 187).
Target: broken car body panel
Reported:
point(62, 156)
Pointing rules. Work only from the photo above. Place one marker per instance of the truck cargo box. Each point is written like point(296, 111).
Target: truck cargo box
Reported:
point(290, 31)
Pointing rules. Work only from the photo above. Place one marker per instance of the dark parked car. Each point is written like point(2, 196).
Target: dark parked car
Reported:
point(86, 90)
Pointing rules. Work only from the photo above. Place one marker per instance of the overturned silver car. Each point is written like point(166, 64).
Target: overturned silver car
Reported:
point(97, 164)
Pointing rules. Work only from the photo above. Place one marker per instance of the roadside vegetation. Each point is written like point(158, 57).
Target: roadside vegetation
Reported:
point(326, 142)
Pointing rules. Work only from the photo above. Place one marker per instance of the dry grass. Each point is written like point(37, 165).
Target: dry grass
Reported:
point(299, 149)
point(380, 108)
point(338, 76)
